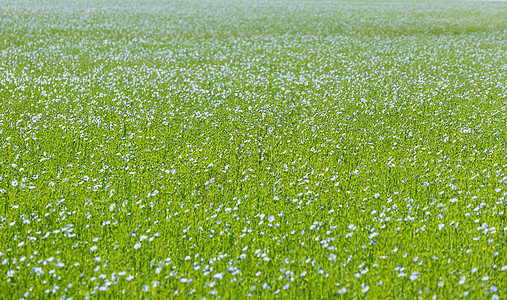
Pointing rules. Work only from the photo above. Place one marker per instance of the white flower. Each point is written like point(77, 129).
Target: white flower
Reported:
point(365, 289)
point(14, 183)
point(38, 270)
point(271, 218)
point(137, 246)
point(462, 280)
point(10, 273)
point(93, 248)
point(332, 256)
point(218, 276)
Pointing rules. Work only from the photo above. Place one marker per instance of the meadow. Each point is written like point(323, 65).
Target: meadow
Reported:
point(266, 149)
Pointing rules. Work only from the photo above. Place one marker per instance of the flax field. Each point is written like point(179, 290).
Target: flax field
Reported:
point(268, 149)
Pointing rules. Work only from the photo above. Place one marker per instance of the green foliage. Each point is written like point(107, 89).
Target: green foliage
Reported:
point(275, 149)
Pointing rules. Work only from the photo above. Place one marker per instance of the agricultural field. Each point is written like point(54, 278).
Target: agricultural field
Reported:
point(268, 149)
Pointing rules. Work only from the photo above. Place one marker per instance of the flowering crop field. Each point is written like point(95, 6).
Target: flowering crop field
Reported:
point(229, 149)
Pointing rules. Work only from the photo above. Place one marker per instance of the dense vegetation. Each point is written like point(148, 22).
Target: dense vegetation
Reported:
point(277, 149)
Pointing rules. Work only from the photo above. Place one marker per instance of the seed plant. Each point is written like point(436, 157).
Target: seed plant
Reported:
point(268, 149)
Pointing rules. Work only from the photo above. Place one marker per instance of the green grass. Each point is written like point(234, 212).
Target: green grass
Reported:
point(275, 149)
